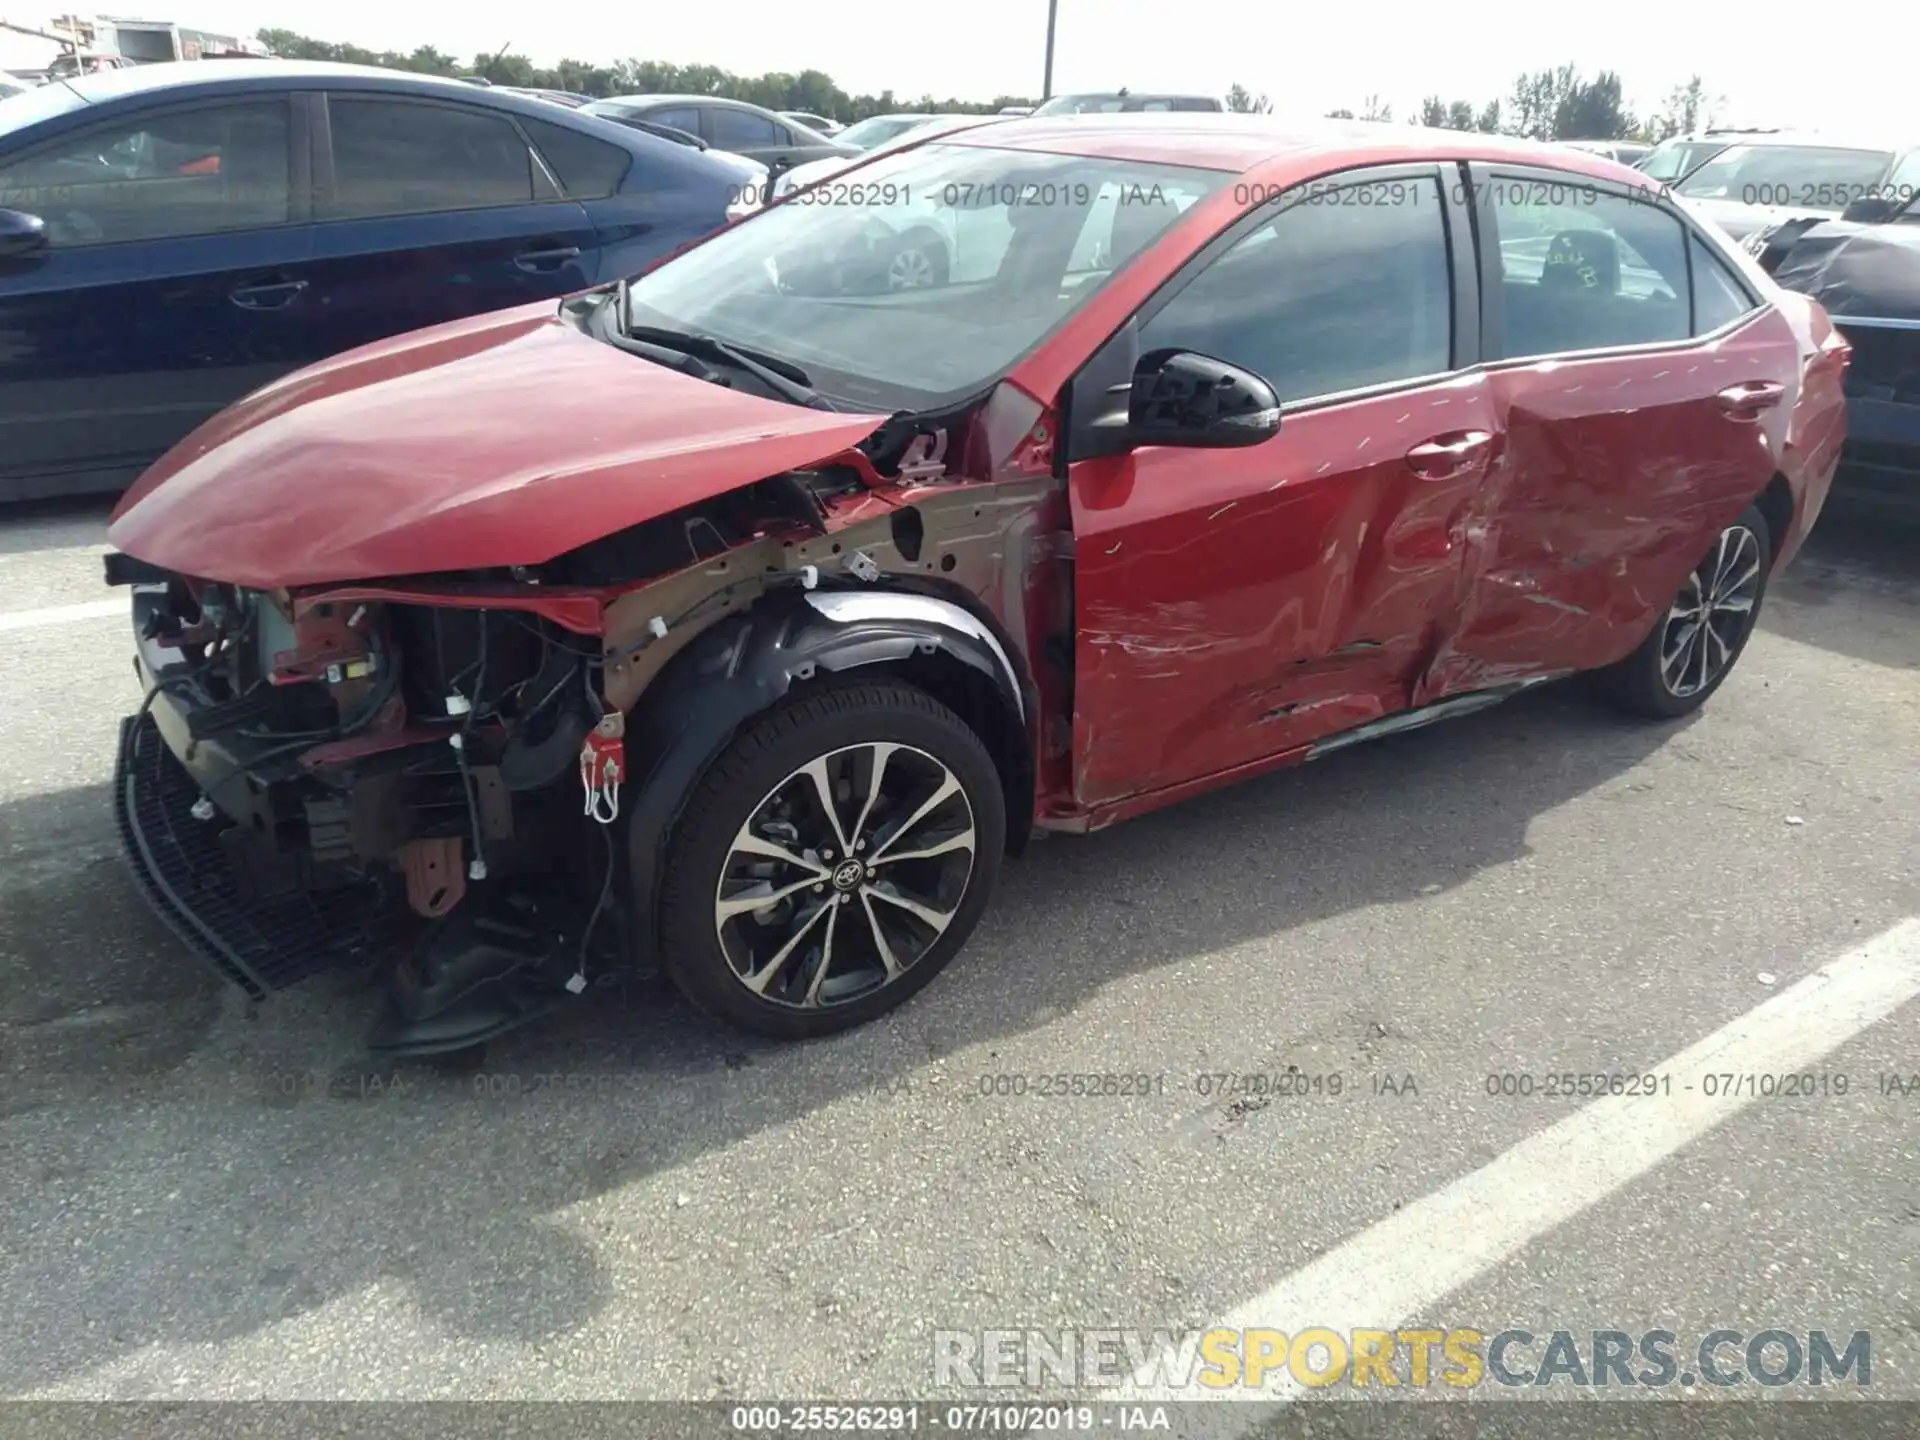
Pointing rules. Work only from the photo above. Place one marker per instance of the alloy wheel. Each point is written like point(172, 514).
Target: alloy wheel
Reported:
point(910, 269)
point(845, 875)
point(1711, 615)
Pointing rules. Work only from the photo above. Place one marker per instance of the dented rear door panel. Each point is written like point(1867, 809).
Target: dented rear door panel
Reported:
point(1617, 473)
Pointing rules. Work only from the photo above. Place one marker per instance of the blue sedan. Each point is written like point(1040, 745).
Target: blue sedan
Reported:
point(175, 236)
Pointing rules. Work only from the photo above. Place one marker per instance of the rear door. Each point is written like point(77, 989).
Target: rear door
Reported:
point(432, 210)
point(179, 240)
point(1645, 392)
point(1236, 604)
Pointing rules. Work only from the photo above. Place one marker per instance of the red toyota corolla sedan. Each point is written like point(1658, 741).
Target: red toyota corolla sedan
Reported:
point(741, 617)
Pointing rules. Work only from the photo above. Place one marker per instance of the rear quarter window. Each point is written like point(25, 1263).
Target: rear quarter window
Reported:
point(587, 169)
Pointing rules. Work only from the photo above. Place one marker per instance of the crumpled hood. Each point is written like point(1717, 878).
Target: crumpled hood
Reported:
point(506, 439)
point(1740, 220)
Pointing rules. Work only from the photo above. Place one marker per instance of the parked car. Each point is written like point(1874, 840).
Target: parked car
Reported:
point(567, 98)
point(818, 598)
point(923, 127)
point(729, 125)
point(819, 124)
point(1677, 157)
point(73, 63)
point(1865, 269)
point(1123, 101)
point(1756, 183)
point(877, 130)
point(176, 235)
point(1627, 152)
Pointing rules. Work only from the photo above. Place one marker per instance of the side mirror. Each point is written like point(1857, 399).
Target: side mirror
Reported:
point(1191, 400)
point(21, 234)
point(1871, 210)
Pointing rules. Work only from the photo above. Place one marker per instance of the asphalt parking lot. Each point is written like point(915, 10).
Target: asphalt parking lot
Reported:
point(202, 1201)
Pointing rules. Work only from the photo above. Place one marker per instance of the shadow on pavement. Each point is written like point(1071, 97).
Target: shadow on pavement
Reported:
point(234, 1169)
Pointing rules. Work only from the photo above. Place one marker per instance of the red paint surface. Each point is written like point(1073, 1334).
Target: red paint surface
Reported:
point(503, 440)
point(1232, 606)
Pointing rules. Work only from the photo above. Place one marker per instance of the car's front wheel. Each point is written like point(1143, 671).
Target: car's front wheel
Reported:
point(918, 262)
point(832, 860)
point(1694, 646)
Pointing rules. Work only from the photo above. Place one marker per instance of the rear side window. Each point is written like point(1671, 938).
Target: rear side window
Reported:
point(201, 171)
point(587, 169)
point(1347, 288)
point(402, 158)
point(735, 128)
point(1718, 297)
point(1583, 269)
point(680, 117)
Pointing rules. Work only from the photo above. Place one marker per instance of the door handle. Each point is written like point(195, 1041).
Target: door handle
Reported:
point(1447, 456)
point(267, 295)
point(546, 260)
point(1746, 401)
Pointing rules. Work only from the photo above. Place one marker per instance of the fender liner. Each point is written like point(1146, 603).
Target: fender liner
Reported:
point(748, 662)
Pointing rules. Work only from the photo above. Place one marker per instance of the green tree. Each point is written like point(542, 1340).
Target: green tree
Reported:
point(1592, 110)
point(1243, 102)
point(1433, 113)
point(1340, 115)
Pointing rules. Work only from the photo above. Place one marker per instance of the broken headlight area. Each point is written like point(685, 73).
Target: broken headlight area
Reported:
point(312, 783)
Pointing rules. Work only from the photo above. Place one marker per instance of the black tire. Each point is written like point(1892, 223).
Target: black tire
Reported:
point(755, 769)
point(1643, 683)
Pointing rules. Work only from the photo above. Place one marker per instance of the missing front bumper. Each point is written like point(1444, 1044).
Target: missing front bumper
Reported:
point(259, 942)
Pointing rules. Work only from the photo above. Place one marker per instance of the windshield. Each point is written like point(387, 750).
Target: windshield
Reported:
point(43, 102)
point(1672, 159)
point(927, 274)
point(1810, 176)
point(1082, 105)
point(878, 130)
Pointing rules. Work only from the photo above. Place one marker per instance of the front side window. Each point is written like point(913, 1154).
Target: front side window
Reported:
point(401, 158)
point(1582, 269)
point(1805, 176)
point(183, 172)
point(1347, 288)
point(1009, 250)
point(737, 129)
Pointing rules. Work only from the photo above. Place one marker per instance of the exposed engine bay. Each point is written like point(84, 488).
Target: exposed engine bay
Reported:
point(458, 754)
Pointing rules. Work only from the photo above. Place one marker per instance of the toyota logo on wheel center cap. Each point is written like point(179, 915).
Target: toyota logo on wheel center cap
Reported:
point(848, 874)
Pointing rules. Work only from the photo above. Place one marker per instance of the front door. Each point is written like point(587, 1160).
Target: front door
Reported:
point(169, 288)
point(1236, 604)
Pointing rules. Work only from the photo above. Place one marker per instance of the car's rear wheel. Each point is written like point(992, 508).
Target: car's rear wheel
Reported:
point(1695, 645)
point(832, 861)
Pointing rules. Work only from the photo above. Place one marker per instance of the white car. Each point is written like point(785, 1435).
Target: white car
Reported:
point(1756, 184)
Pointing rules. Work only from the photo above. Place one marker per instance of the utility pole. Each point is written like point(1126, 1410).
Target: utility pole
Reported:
point(1046, 85)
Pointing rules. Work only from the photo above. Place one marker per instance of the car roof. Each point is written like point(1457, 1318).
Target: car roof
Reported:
point(664, 99)
point(1795, 139)
point(258, 74)
point(1238, 143)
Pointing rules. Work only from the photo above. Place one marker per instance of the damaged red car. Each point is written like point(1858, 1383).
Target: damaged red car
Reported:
point(738, 619)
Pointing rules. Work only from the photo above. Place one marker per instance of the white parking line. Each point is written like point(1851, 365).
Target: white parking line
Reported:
point(1392, 1273)
point(63, 614)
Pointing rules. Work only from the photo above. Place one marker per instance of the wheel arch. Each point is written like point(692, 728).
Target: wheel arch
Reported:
point(747, 663)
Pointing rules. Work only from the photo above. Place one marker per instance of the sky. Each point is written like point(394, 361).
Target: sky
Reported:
point(1770, 64)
